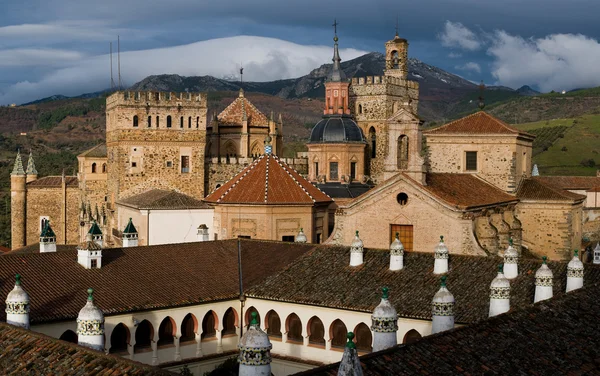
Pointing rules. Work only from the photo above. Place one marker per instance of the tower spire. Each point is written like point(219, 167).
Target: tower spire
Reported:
point(18, 169)
point(337, 75)
point(397, 25)
point(31, 165)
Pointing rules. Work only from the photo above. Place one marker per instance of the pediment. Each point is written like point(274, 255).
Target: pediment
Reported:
point(404, 115)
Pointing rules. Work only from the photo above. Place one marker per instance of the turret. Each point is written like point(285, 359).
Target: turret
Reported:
point(96, 234)
point(440, 265)
point(301, 237)
point(511, 261)
point(396, 57)
point(47, 239)
point(202, 234)
point(255, 351)
point(356, 251)
point(499, 294)
point(31, 172)
point(89, 254)
point(575, 273)
point(18, 199)
point(396, 254)
point(130, 235)
point(350, 364)
point(543, 282)
point(90, 325)
point(442, 312)
point(17, 305)
point(384, 323)
point(336, 85)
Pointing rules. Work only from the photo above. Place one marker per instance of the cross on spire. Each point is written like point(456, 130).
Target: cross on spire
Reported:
point(396, 24)
point(335, 24)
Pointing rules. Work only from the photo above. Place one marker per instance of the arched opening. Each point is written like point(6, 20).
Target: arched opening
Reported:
point(218, 186)
point(181, 122)
point(104, 168)
point(293, 327)
point(189, 327)
point(411, 336)
point(119, 340)
point(255, 151)
point(149, 121)
point(189, 122)
point(402, 198)
point(157, 121)
point(248, 315)
point(135, 120)
point(230, 149)
point(168, 121)
point(403, 152)
point(360, 109)
point(338, 333)
point(316, 332)
point(373, 142)
point(144, 334)
point(273, 324)
point(94, 168)
point(363, 337)
point(166, 332)
point(395, 60)
point(209, 326)
point(197, 121)
point(69, 336)
point(230, 322)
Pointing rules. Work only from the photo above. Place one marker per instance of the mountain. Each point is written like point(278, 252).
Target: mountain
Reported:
point(527, 91)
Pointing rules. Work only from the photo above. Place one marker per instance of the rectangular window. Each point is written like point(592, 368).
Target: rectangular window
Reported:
point(333, 171)
point(94, 264)
point(244, 237)
point(471, 161)
point(169, 164)
point(316, 169)
point(318, 238)
point(353, 170)
point(185, 163)
point(133, 164)
point(405, 233)
point(288, 238)
point(149, 121)
point(157, 121)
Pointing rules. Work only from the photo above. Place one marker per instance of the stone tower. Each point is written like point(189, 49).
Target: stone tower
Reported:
point(396, 57)
point(18, 201)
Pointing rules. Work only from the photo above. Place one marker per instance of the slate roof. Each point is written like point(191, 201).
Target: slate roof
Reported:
point(571, 182)
point(233, 114)
point(98, 151)
point(478, 123)
point(162, 199)
point(339, 190)
point(31, 353)
point(538, 189)
point(560, 336)
point(54, 182)
point(323, 277)
point(268, 181)
point(141, 278)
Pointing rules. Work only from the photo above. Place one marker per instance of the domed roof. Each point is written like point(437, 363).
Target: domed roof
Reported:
point(500, 281)
point(336, 129)
point(443, 295)
point(544, 271)
point(301, 237)
point(254, 338)
point(357, 244)
point(441, 248)
point(385, 309)
point(90, 312)
point(511, 252)
point(575, 263)
point(17, 295)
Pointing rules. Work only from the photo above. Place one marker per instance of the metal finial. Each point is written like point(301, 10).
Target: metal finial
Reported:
point(500, 268)
point(576, 253)
point(510, 241)
point(385, 293)
point(441, 238)
point(544, 259)
point(17, 279)
point(335, 23)
point(443, 281)
point(90, 292)
point(254, 318)
point(357, 233)
point(350, 344)
point(396, 25)
point(398, 235)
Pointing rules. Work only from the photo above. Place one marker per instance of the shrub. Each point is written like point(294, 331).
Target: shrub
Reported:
point(564, 148)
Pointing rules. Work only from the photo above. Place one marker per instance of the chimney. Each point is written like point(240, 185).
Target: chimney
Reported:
point(543, 282)
point(350, 364)
point(597, 254)
point(90, 325)
point(130, 235)
point(202, 235)
point(255, 350)
point(499, 294)
point(575, 273)
point(96, 234)
point(396, 254)
point(442, 312)
point(301, 237)
point(384, 323)
point(47, 239)
point(441, 258)
point(17, 305)
point(511, 260)
point(356, 251)
point(89, 254)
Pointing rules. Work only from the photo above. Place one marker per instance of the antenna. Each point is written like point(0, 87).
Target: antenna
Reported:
point(241, 74)
point(119, 58)
point(396, 24)
point(112, 81)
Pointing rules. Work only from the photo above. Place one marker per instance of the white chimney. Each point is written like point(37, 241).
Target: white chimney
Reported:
point(202, 235)
point(442, 312)
point(511, 260)
point(396, 254)
point(384, 324)
point(574, 273)
point(499, 294)
point(543, 282)
point(441, 258)
point(356, 251)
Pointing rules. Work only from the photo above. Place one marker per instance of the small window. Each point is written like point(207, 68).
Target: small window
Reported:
point(360, 109)
point(169, 164)
point(288, 238)
point(333, 171)
point(316, 169)
point(197, 121)
point(149, 121)
point(318, 238)
point(189, 122)
point(133, 164)
point(94, 264)
point(93, 168)
point(471, 161)
point(402, 198)
point(181, 122)
point(169, 121)
point(157, 121)
point(104, 168)
point(244, 237)
point(353, 170)
point(135, 120)
point(185, 164)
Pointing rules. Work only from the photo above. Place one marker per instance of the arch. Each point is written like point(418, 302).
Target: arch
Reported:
point(189, 328)
point(293, 327)
point(157, 121)
point(166, 332)
point(169, 121)
point(136, 120)
point(181, 122)
point(255, 150)
point(249, 311)
point(149, 121)
point(144, 335)
point(230, 149)
point(337, 333)
point(403, 152)
point(395, 59)
point(230, 321)
point(94, 168)
point(69, 336)
point(104, 168)
point(373, 142)
point(273, 324)
point(209, 325)
point(119, 339)
point(316, 332)
point(411, 336)
point(363, 337)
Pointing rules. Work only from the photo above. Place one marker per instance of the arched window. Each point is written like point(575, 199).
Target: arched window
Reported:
point(144, 334)
point(94, 168)
point(403, 152)
point(149, 121)
point(104, 168)
point(197, 121)
point(119, 339)
point(69, 336)
point(363, 337)
point(135, 120)
point(411, 336)
point(189, 327)
point(166, 332)
point(338, 333)
point(273, 324)
point(181, 122)
point(373, 141)
point(360, 109)
point(189, 122)
point(157, 121)
point(229, 321)
point(293, 327)
point(169, 121)
point(209, 326)
point(248, 315)
point(316, 332)
point(395, 60)
point(255, 149)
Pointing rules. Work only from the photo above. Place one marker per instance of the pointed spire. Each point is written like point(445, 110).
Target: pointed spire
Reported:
point(31, 165)
point(337, 74)
point(396, 254)
point(47, 239)
point(90, 325)
point(440, 265)
point(499, 294)
point(350, 364)
point(543, 282)
point(442, 311)
point(535, 171)
point(17, 305)
point(301, 237)
point(356, 251)
point(384, 323)
point(574, 273)
point(130, 228)
point(18, 167)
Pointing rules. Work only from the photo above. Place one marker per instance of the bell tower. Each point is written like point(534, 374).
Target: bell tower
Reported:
point(396, 57)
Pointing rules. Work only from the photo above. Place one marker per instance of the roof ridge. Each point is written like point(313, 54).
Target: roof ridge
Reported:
point(294, 179)
point(241, 175)
point(559, 191)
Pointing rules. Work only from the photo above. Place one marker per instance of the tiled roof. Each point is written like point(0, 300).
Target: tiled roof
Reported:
point(268, 181)
point(35, 248)
point(162, 199)
point(234, 113)
point(98, 151)
point(142, 278)
point(54, 182)
point(339, 190)
point(560, 336)
point(537, 189)
point(478, 123)
point(571, 182)
point(323, 277)
point(25, 352)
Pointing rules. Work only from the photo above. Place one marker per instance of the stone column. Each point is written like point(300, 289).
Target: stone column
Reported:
point(177, 349)
point(154, 353)
point(219, 342)
point(198, 345)
point(131, 349)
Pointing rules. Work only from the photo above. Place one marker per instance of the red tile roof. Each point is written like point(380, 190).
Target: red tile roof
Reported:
point(539, 189)
point(54, 182)
point(268, 181)
point(477, 123)
point(571, 182)
point(163, 199)
point(234, 113)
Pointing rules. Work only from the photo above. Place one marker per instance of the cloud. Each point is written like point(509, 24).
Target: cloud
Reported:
point(264, 59)
point(470, 66)
point(455, 34)
point(555, 62)
point(20, 57)
point(454, 55)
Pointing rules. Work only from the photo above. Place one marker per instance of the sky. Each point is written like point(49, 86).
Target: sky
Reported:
point(62, 46)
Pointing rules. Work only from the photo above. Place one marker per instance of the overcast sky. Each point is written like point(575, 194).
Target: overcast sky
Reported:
point(60, 46)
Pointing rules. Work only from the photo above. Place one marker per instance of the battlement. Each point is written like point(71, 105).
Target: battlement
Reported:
point(156, 98)
point(378, 80)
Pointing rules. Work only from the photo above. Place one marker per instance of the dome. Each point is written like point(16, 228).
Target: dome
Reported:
point(511, 252)
point(385, 309)
point(17, 295)
point(254, 338)
point(575, 263)
point(397, 248)
point(544, 271)
point(301, 237)
point(336, 129)
point(441, 248)
point(443, 295)
point(90, 312)
point(500, 282)
point(357, 244)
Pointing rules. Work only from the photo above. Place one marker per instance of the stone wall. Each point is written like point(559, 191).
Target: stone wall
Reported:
point(343, 154)
point(60, 207)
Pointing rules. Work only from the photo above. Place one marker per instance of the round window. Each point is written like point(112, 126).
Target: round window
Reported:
point(402, 198)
